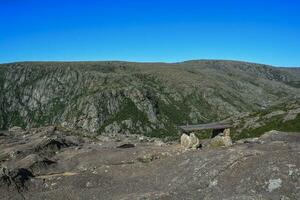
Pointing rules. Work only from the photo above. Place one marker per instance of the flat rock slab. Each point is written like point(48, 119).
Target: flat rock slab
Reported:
point(268, 169)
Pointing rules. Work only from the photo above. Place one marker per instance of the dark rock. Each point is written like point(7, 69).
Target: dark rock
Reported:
point(126, 146)
point(15, 177)
point(2, 134)
point(35, 163)
point(49, 147)
point(50, 129)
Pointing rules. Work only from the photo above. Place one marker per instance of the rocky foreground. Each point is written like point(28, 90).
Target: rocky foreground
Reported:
point(51, 163)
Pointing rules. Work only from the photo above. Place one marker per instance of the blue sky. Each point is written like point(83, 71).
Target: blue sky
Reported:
point(169, 31)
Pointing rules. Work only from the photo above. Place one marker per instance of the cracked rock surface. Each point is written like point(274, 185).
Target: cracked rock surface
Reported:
point(58, 164)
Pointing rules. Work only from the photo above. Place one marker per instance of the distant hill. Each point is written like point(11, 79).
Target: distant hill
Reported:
point(146, 98)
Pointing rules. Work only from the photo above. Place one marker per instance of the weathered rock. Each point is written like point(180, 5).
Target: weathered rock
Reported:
point(15, 129)
point(269, 169)
point(248, 140)
point(34, 163)
point(274, 113)
point(222, 140)
point(189, 141)
point(124, 146)
point(279, 136)
point(292, 114)
point(194, 141)
point(14, 178)
point(159, 143)
point(226, 132)
point(49, 146)
point(185, 141)
point(50, 129)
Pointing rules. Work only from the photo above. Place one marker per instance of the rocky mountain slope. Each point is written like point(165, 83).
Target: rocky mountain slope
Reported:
point(282, 117)
point(144, 98)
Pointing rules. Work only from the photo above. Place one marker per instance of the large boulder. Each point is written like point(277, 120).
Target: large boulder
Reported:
point(189, 141)
point(185, 140)
point(194, 141)
point(222, 140)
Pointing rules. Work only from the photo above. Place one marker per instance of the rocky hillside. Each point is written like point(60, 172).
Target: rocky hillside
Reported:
point(282, 117)
point(144, 98)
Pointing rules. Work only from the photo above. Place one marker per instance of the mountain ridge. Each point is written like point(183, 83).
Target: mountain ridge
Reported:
point(149, 62)
point(129, 97)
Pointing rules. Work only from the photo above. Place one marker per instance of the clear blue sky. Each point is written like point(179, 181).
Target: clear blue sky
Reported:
point(143, 30)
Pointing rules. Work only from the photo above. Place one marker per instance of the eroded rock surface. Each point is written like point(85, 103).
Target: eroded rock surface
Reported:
point(76, 167)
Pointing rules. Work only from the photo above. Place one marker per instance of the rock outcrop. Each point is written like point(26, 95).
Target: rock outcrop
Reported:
point(15, 129)
point(282, 117)
point(189, 141)
point(267, 168)
point(222, 140)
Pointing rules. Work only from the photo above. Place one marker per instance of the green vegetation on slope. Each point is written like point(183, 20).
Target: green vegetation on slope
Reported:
point(156, 97)
point(273, 118)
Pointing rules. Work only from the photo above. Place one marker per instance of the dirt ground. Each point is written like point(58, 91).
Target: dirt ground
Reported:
point(47, 163)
